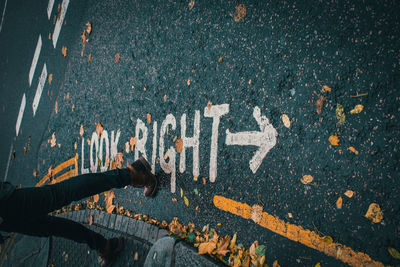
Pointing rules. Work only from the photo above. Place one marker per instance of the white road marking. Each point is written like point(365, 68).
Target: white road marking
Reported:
point(94, 142)
point(104, 139)
point(20, 114)
point(8, 162)
point(265, 139)
point(50, 8)
point(35, 59)
point(2, 17)
point(140, 142)
point(154, 155)
point(60, 21)
point(168, 167)
point(215, 112)
point(39, 89)
point(190, 142)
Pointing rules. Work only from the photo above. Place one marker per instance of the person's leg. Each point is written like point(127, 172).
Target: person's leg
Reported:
point(38, 201)
point(46, 226)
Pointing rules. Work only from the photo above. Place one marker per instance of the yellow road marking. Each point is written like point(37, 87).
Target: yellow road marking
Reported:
point(57, 169)
point(297, 233)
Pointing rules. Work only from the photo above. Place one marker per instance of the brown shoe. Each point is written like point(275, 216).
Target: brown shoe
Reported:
point(109, 253)
point(141, 176)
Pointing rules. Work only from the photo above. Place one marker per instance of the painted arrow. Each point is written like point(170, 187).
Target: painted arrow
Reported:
point(265, 139)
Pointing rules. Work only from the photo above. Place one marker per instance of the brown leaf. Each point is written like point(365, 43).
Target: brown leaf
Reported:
point(96, 198)
point(81, 130)
point(91, 220)
point(223, 246)
point(286, 120)
point(352, 149)
point(334, 140)
point(119, 159)
point(99, 129)
point(276, 264)
point(53, 140)
point(191, 4)
point(64, 51)
point(349, 193)
point(188, 82)
point(132, 142)
point(179, 145)
point(109, 196)
point(136, 256)
point(148, 118)
point(56, 107)
point(34, 172)
point(306, 179)
point(325, 89)
point(240, 13)
point(374, 213)
point(220, 59)
point(339, 202)
point(208, 247)
point(319, 104)
point(90, 58)
point(209, 104)
point(117, 57)
point(50, 78)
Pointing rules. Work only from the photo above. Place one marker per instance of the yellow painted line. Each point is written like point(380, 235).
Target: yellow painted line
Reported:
point(297, 233)
point(57, 169)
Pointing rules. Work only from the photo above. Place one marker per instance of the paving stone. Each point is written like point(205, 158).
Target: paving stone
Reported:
point(131, 226)
point(124, 224)
point(100, 220)
point(153, 233)
point(161, 233)
point(144, 234)
point(105, 220)
point(138, 229)
point(111, 223)
point(118, 221)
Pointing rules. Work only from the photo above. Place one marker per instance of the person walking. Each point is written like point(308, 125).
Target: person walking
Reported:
point(25, 210)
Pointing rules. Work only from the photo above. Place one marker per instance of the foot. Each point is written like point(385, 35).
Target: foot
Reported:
point(141, 176)
point(109, 253)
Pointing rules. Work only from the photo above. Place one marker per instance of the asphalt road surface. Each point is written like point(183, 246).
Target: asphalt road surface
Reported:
point(205, 87)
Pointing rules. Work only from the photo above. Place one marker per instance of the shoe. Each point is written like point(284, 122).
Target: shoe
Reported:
point(141, 176)
point(109, 253)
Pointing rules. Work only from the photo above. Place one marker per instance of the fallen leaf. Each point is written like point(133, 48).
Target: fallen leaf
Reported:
point(357, 109)
point(148, 118)
point(64, 51)
point(165, 98)
point(99, 129)
point(56, 107)
point(339, 203)
point(191, 4)
point(349, 193)
point(233, 241)
point(220, 59)
point(174, 199)
point(286, 120)
point(81, 130)
point(276, 264)
point(352, 149)
point(186, 201)
point(119, 159)
point(195, 178)
point(181, 192)
point(240, 13)
point(196, 191)
point(136, 256)
point(209, 104)
point(53, 140)
point(50, 78)
point(179, 145)
point(318, 264)
point(90, 58)
point(188, 82)
point(374, 213)
point(256, 213)
point(89, 28)
point(340, 114)
point(91, 220)
point(290, 215)
point(327, 239)
point(222, 249)
point(334, 140)
point(34, 172)
point(132, 142)
point(117, 57)
point(109, 196)
point(325, 89)
point(208, 247)
point(306, 179)
point(75, 145)
point(394, 253)
point(127, 147)
point(204, 181)
point(96, 198)
point(319, 104)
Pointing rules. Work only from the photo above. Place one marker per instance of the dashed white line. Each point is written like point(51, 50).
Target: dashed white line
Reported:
point(60, 21)
point(50, 8)
point(39, 89)
point(35, 59)
point(20, 114)
point(2, 17)
point(8, 162)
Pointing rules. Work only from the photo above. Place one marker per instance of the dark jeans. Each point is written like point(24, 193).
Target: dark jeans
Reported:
point(26, 210)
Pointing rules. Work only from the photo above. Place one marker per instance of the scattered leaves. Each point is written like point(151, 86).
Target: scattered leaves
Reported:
point(109, 196)
point(306, 179)
point(339, 202)
point(117, 57)
point(352, 149)
point(286, 120)
point(240, 13)
point(374, 213)
point(50, 78)
point(319, 104)
point(357, 109)
point(208, 247)
point(64, 51)
point(325, 89)
point(394, 253)
point(334, 140)
point(340, 116)
point(81, 130)
point(148, 118)
point(179, 145)
point(349, 193)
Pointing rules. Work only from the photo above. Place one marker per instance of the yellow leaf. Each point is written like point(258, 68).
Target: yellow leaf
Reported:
point(357, 109)
point(318, 264)
point(64, 51)
point(186, 201)
point(307, 179)
point(148, 118)
point(181, 192)
point(286, 120)
point(334, 140)
point(349, 193)
point(340, 114)
point(339, 203)
point(179, 145)
point(50, 78)
point(394, 253)
point(233, 241)
point(374, 213)
point(352, 149)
